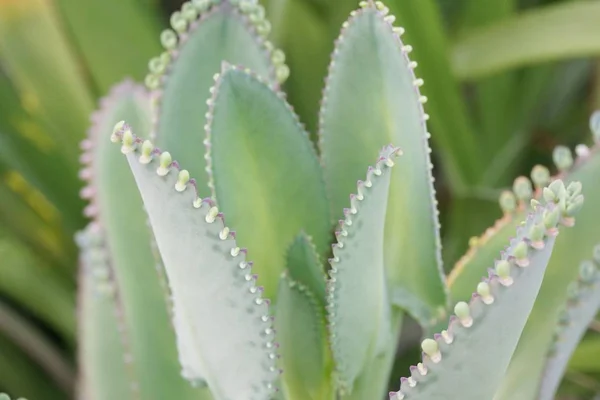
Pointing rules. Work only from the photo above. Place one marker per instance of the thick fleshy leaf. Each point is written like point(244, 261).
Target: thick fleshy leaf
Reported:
point(256, 146)
point(210, 33)
point(371, 60)
point(358, 297)
point(306, 359)
point(524, 374)
point(305, 267)
point(583, 304)
point(460, 362)
point(559, 31)
point(116, 205)
point(214, 293)
point(104, 371)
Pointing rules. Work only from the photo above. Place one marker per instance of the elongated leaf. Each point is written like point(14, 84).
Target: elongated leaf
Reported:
point(256, 146)
point(104, 371)
point(117, 207)
point(453, 132)
point(300, 325)
point(524, 374)
point(30, 148)
point(358, 303)
point(585, 357)
point(98, 28)
point(183, 75)
point(38, 347)
point(305, 267)
point(460, 361)
point(33, 48)
point(20, 375)
point(211, 282)
point(560, 31)
point(37, 287)
point(582, 306)
point(370, 59)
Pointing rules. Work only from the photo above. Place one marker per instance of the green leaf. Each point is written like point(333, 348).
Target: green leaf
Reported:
point(184, 74)
point(29, 147)
point(358, 302)
point(116, 205)
point(33, 48)
point(306, 54)
point(105, 373)
point(460, 360)
point(305, 267)
point(256, 146)
point(38, 347)
point(453, 133)
point(21, 375)
point(524, 373)
point(554, 32)
point(585, 357)
point(49, 296)
point(208, 276)
point(306, 359)
point(370, 59)
point(99, 27)
point(582, 305)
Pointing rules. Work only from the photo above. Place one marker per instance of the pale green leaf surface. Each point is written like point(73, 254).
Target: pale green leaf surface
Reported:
point(305, 267)
point(221, 34)
point(524, 374)
point(470, 367)
point(104, 374)
point(369, 60)
point(208, 276)
point(302, 337)
point(559, 31)
point(265, 171)
point(117, 206)
point(358, 298)
point(579, 311)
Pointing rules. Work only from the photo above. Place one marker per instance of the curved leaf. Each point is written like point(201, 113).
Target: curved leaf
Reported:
point(230, 337)
point(371, 60)
point(210, 33)
point(256, 146)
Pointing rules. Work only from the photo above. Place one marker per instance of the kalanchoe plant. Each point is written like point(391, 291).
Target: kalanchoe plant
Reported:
point(165, 247)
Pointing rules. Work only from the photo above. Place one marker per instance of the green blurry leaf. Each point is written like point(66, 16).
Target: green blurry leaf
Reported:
point(258, 148)
point(369, 60)
point(221, 34)
point(116, 38)
point(585, 358)
point(582, 306)
point(118, 208)
point(38, 347)
point(233, 349)
point(104, 372)
point(30, 149)
point(32, 49)
point(559, 31)
point(306, 54)
point(457, 144)
point(305, 267)
point(37, 287)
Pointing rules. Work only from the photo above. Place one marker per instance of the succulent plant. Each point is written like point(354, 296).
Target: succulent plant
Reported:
point(171, 306)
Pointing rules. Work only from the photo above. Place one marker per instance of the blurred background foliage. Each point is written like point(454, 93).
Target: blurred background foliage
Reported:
point(507, 80)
